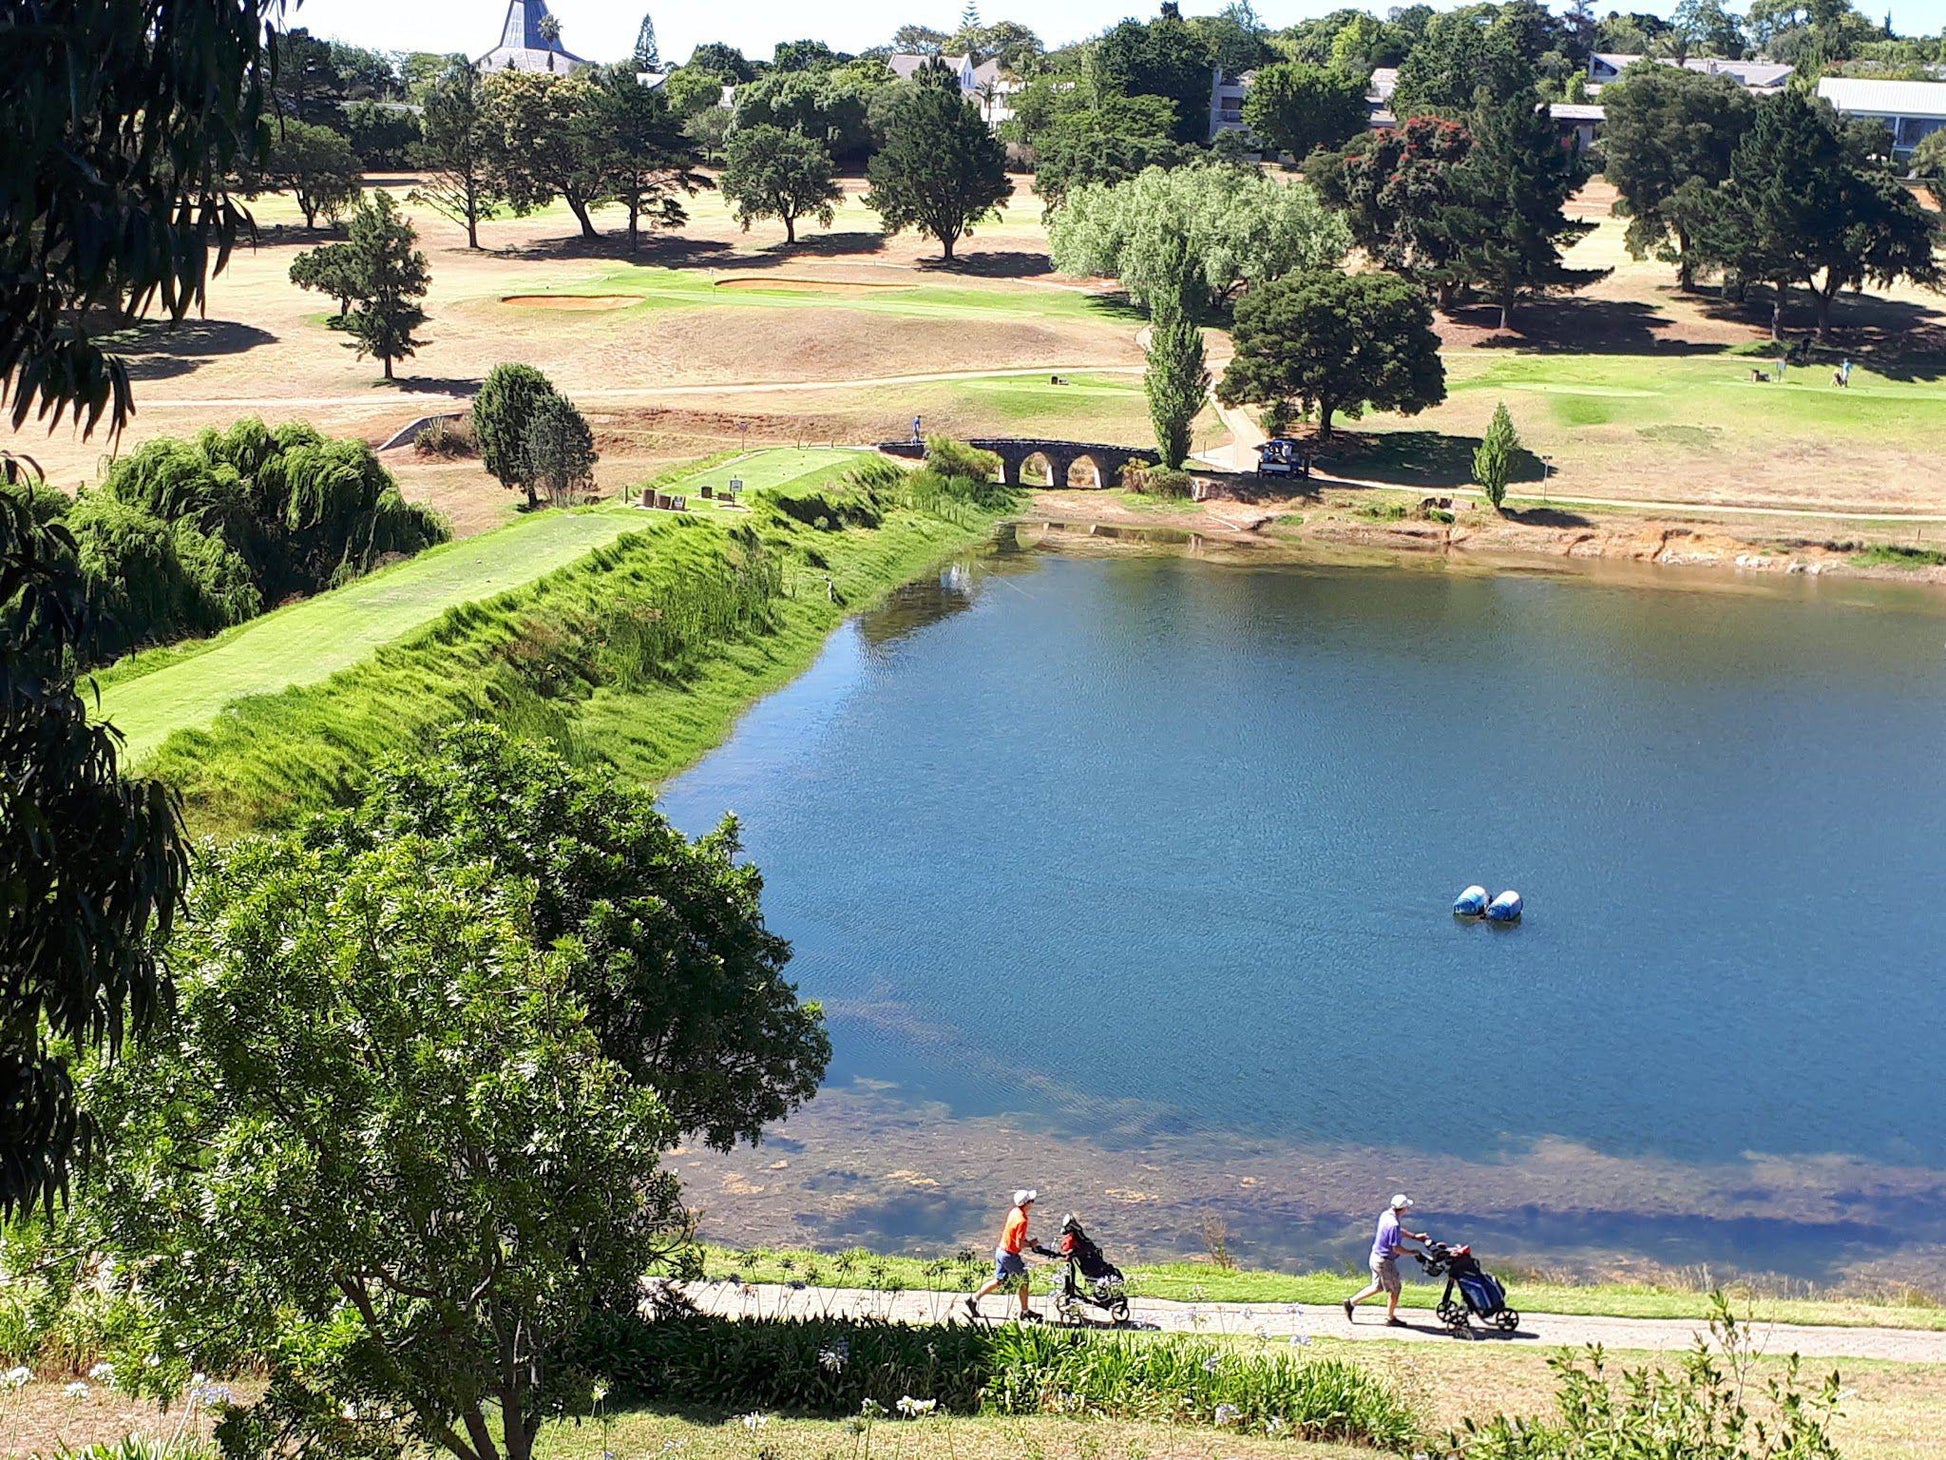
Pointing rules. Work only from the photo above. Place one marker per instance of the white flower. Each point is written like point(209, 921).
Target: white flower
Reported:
point(754, 1421)
point(1228, 1414)
point(1300, 1340)
point(833, 1360)
point(600, 1391)
point(1274, 1426)
point(913, 1408)
point(18, 1378)
point(210, 1396)
point(199, 1377)
point(153, 1361)
point(76, 1390)
point(1211, 1364)
point(103, 1373)
point(871, 1409)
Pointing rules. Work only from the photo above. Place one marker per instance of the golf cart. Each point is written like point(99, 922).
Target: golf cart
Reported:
point(1282, 457)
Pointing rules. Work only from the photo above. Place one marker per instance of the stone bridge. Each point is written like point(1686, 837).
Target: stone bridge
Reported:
point(1059, 457)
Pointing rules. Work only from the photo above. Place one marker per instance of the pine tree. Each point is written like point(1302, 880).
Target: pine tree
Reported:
point(941, 170)
point(392, 278)
point(1493, 462)
point(458, 183)
point(1177, 380)
point(648, 56)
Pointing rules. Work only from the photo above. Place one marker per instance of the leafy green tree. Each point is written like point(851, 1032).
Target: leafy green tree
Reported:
point(559, 451)
point(507, 401)
point(1109, 143)
point(725, 61)
point(1509, 220)
point(1176, 379)
point(1297, 108)
point(392, 278)
point(1462, 52)
point(316, 166)
point(1493, 459)
point(1396, 189)
point(1163, 57)
point(382, 134)
point(1333, 343)
point(648, 55)
point(382, 1041)
point(783, 175)
point(1233, 226)
point(1800, 207)
point(330, 269)
point(123, 120)
point(919, 40)
point(1707, 29)
point(941, 170)
point(457, 153)
point(545, 142)
point(821, 105)
point(805, 56)
point(709, 131)
point(1667, 127)
point(648, 157)
point(691, 90)
point(1235, 38)
point(1928, 163)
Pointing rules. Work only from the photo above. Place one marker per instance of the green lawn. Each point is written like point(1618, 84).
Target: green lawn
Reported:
point(187, 686)
point(1197, 1282)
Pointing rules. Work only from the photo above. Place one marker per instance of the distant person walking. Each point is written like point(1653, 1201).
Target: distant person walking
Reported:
point(918, 435)
point(1387, 1244)
point(1844, 373)
point(1009, 1266)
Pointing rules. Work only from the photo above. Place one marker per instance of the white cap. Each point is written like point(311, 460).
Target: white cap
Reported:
point(1401, 1202)
point(1025, 1195)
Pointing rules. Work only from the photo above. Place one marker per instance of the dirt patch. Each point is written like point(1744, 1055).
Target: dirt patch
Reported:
point(571, 303)
point(813, 286)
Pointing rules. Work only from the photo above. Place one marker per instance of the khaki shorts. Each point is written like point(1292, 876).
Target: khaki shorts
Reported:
point(1385, 1272)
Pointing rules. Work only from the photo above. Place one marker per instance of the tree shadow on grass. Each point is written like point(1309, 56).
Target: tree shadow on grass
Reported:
point(432, 384)
point(1584, 327)
point(1896, 338)
point(1414, 459)
point(819, 246)
point(658, 250)
point(992, 264)
point(164, 351)
point(1546, 517)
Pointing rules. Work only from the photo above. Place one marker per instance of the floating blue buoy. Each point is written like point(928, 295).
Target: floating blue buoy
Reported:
point(1505, 908)
point(1471, 903)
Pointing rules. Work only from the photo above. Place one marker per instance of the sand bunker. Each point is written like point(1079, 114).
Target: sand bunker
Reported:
point(574, 303)
point(814, 286)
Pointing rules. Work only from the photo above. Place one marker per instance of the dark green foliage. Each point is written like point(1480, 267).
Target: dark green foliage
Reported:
point(1332, 342)
point(1800, 203)
point(392, 278)
point(331, 270)
point(1108, 143)
point(1162, 57)
point(1176, 379)
point(772, 173)
point(314, 164)
point(1297, 108)
point(384, 135)
point(1163, 482)
point(545, 140)
point(560, 451)
point(505, 404)
point(690, 91)
point(640, 143)
point(724, 61)
point(123, 120)
point(1668, 129)
point(829, 107)
point(648, 55)
point(1463, 53)
point(952, 458)
point(941, 170)
point(458, 181)
point(185, 537)
point(1508, 220)
point(1493, 460)
point(1396, 188)
point(93, 864)
point(832, 1367)
point(805, 56)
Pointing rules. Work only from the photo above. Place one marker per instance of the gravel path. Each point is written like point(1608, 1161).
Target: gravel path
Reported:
point(1286, 1320)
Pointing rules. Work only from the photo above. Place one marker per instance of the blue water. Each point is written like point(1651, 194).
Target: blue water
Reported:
point(1148, 845)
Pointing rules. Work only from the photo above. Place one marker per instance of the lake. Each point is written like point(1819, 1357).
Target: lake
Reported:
point(1128, 875)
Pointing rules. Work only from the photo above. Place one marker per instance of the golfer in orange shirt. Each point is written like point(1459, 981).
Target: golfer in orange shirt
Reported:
point(1009, 1266)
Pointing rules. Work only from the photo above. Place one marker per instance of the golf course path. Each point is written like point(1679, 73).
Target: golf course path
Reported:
point(1292, 1320)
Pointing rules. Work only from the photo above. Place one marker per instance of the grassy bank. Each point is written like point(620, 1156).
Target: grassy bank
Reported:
point(618, 657)
point(1201, 1282)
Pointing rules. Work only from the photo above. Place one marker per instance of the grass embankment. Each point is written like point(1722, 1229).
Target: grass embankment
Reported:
point(616, 657)
point(1201, 1282)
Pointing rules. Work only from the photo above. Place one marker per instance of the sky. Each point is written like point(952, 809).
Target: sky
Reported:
point(604, 30)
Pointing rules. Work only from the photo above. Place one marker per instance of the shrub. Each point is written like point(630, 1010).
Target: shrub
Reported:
point(1493, 462)
point(448, 437)
point(560, 451)
point(952, 458)
point(1161, 482)
point(504, 405)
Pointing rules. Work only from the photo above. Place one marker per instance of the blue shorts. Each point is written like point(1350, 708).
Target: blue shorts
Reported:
point(1008, 1265)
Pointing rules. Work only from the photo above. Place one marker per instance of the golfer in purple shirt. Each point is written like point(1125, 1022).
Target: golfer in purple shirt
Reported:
point(1387, 1244)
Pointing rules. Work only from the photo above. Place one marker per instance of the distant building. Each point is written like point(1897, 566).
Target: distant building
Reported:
point(1227, 89)
point(1577, 123)
point(1762, 77)
point(986, 85)
point(530, 40)
point(1912, 110)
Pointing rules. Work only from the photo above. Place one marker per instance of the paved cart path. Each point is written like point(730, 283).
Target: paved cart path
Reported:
point(1287, 1320)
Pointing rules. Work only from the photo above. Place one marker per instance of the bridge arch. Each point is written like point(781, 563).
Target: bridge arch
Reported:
point(1083, 469)
point(1036, 470)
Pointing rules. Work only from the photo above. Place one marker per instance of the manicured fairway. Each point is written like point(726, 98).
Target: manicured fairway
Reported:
point(310, 641)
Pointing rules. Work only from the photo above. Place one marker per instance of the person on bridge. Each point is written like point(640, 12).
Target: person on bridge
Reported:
point(917, 434)
point(1009, 1265)
point(1387, 1244)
